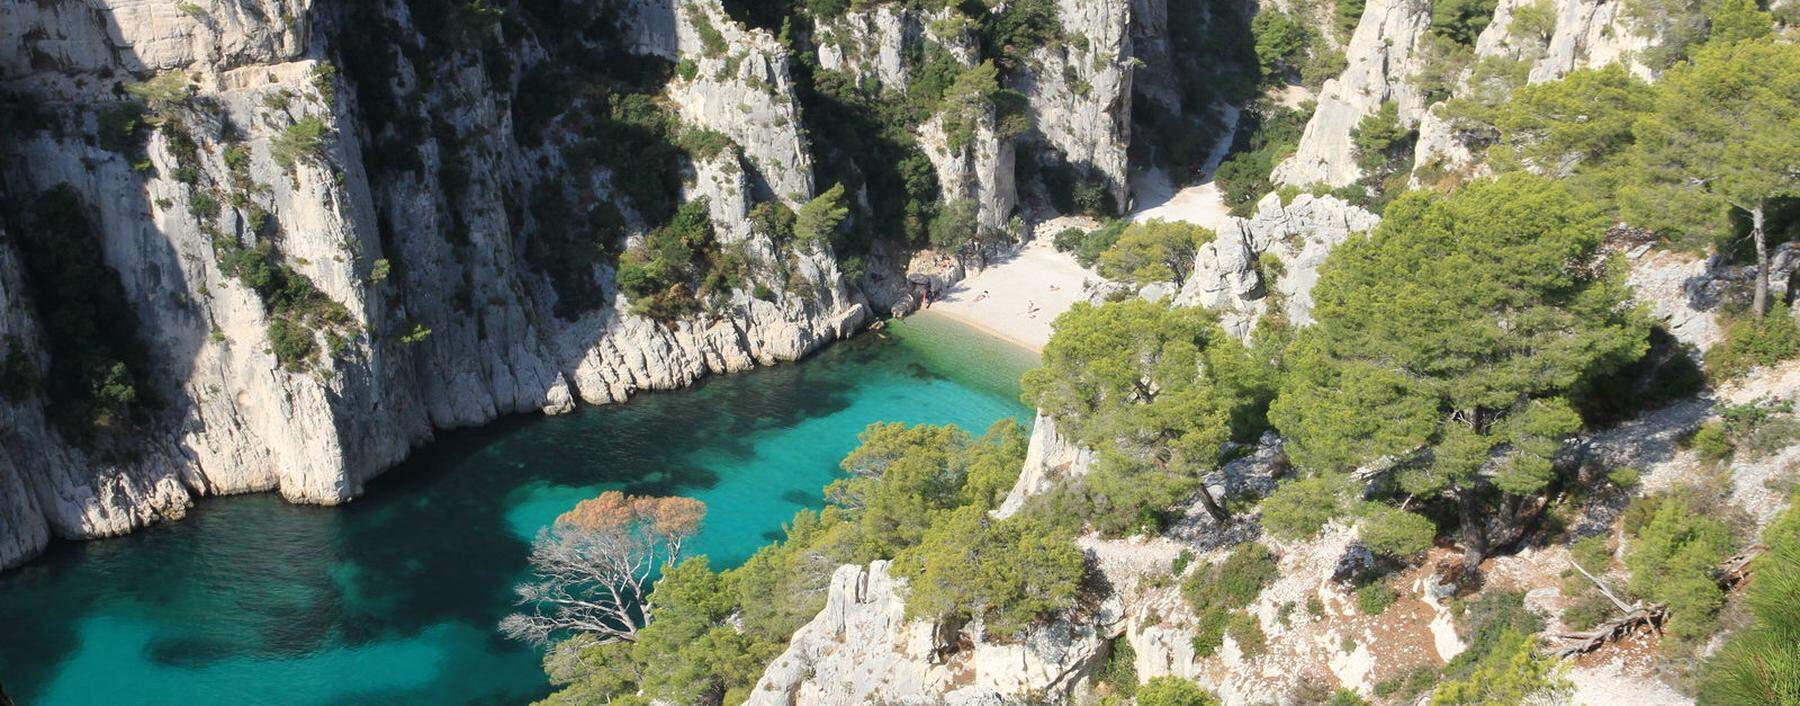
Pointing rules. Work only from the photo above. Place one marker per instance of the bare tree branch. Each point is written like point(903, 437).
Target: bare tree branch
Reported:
point(592, 567)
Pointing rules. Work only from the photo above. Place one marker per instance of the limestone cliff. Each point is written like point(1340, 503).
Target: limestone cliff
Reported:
point(1580, 34)
point(861, 649)
point(340, 227)
point(1271, 259)
point(448, 318)
point(1384, 54)
point(1080, 91)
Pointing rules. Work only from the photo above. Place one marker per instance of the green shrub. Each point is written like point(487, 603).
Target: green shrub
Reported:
point(1383, 148)
point(1281, 44)
point(1322, 65)
point(1751, 342)
point(712, 42)
point(1374, 597)
point(1018, 27)
point(826, 9)
point(293, 344)
point(1272, 131)
point(1346, 14)
point(1005, 571)
point(1180, 563)
point(1298, 509)
point(1173, 691)
point(1218, 592)
point(1770, 435)
point(819, 218)
point(1088, 246)
point(302, 140)
point(1461, 20)
point(1760, 666)
point(1624, 477)
point(703, 144)
point(678, 267)
point(1588, 609)
point(1489, 625)
point(968, 101)
point(1120, 671)
point(1246, 630)
point(955, 225)
point(1068, 239)
point(122, 128)
point(1711, 441)
point(163, 93)
point(1509, 673)
point(203, 206)
point(1155, 251)
point(1675, 543)
point(1345, 697)
point(1395, 532)
point(1406, 686)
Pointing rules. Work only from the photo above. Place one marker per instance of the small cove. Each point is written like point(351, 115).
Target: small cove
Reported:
point(393, 598)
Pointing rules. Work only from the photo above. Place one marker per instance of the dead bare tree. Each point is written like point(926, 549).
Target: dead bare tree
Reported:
point(1637, 615)
point(592, 567)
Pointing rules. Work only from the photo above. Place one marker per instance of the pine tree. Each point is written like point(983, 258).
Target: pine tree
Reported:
point(1448, 344)
point(1724, 134)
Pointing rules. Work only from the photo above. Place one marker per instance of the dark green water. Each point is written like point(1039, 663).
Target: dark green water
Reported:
point(393, 599)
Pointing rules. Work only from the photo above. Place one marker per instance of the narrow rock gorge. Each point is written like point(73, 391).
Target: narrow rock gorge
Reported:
point(282, 245)
point(317, 233)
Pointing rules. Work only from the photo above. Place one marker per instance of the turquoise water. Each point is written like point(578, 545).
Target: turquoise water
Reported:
point(393, 599)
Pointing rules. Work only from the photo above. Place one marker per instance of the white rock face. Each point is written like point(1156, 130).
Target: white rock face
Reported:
point(746, 92)
point(1384, 56)
point(1583, 34)
point(234, 420)
point(861, 649)
point(1680, 293)
point(980, 170)
point(1051, 458)
point(885, 45)
point(1299, 235)
point(1079, 90)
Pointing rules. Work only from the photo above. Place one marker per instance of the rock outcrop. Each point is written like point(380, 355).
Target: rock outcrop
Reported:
point(1229, 273)
point(1384, 57)
point(1050, 458)
point(1580, 34)
point(1079, 91)
point(861, 649)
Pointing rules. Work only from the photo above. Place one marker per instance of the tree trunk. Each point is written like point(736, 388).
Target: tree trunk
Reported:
point(1213, 507)
point(1759, 300)
point(1474, 533)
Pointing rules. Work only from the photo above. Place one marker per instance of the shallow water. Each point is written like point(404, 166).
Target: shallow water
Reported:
point(393, 598)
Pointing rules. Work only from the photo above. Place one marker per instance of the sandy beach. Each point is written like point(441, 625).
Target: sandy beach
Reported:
point(1158, 198)
point(1016, 299)
point(1201, 204)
